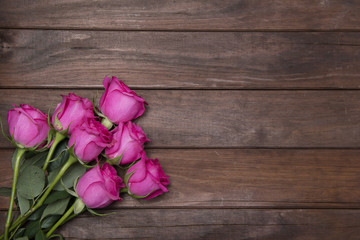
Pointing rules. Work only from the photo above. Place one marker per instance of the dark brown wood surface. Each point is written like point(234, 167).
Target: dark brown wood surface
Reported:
point(204, 15)
point(206, 119)
point(254, 108)
point(247, 178)
point(185, 60)
point(215, 224)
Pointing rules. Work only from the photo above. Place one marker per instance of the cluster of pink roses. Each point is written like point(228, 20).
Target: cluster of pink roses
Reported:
point(94, 133)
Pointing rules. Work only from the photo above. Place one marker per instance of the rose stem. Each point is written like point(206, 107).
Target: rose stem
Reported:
point(61, 220)
point(62, 171)
point(58, 138)
point(107, 123)
point(19, 154)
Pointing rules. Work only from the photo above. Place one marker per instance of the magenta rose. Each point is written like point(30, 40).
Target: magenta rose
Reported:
point(97, 188)
point(89, 140)
point(119, 103)
point(28, 126)
point(73, 110)
point(146, 179)
point(129, 141)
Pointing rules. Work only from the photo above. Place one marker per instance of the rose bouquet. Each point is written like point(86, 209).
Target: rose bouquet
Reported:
point(71, 162)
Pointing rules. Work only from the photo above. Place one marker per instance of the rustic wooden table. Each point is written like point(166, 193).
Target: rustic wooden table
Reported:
point(254, 108)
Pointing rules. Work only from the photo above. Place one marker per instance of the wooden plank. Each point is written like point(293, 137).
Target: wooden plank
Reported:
point(182, 15)
point(215, 224)
point(257, 178)
point(246, 119)
point(180, 60)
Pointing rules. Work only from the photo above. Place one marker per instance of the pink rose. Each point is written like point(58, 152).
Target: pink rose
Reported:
point(129, 140)
point(28, 126)
point(146, 178)
point(97, 188)
point(90, 139)
point(119, 103)
point(73, 110)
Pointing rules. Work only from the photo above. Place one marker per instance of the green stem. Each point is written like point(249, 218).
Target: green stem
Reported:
point(62, 220)
point(107, 123)
point(19, 154)
point(58, 138)
point(62, 171)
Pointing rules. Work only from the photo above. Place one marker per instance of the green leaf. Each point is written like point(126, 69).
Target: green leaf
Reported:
point(37, 214)
point(36, 160)
point(29, 154)
point(24, 204)
point(56, 235)
point(70, 192)
point(75, 171)
point(14, 157)
point(5, 191)
point(40, 236)
point(32, 229)
point(61, 154)
point(31, 182)
point(57, 195)
point(49, 221)
point(22, 238)
point(19, 233)
point(55, 208)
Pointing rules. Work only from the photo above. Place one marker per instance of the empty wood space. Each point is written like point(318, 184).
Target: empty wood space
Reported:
point(254, 108)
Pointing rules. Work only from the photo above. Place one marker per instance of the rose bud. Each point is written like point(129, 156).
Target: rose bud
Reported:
point(28, 126)
point(129, 142)
point(119, 103)
point(73, 110)
point(146, 179)
point(89, 140)
point(97, 188)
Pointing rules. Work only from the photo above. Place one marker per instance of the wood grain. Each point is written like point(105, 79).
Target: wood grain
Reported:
point(182, 15)
point(230, 119)
point(247, 178)
point(215, 224)
point(179, 60)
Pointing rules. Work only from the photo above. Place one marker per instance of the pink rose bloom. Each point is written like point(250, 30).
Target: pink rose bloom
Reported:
point(73, 110)
point(97, 188)
point(146, 178)
point(129, 140)
point(28, 126)
point(90, 139)
point(119, 103)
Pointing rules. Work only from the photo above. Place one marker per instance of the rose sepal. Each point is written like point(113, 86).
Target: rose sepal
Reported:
point(115, 161)
point(79, 206)
point(4, 134)
point(98, 214)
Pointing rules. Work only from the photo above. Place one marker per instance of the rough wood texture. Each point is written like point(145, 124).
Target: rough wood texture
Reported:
point(207, 119)
point(215, 224)
point(233, 178)
point(182, 15)
point(168, 60)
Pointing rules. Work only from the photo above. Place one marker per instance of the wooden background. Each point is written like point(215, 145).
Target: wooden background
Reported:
point(254, 108)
